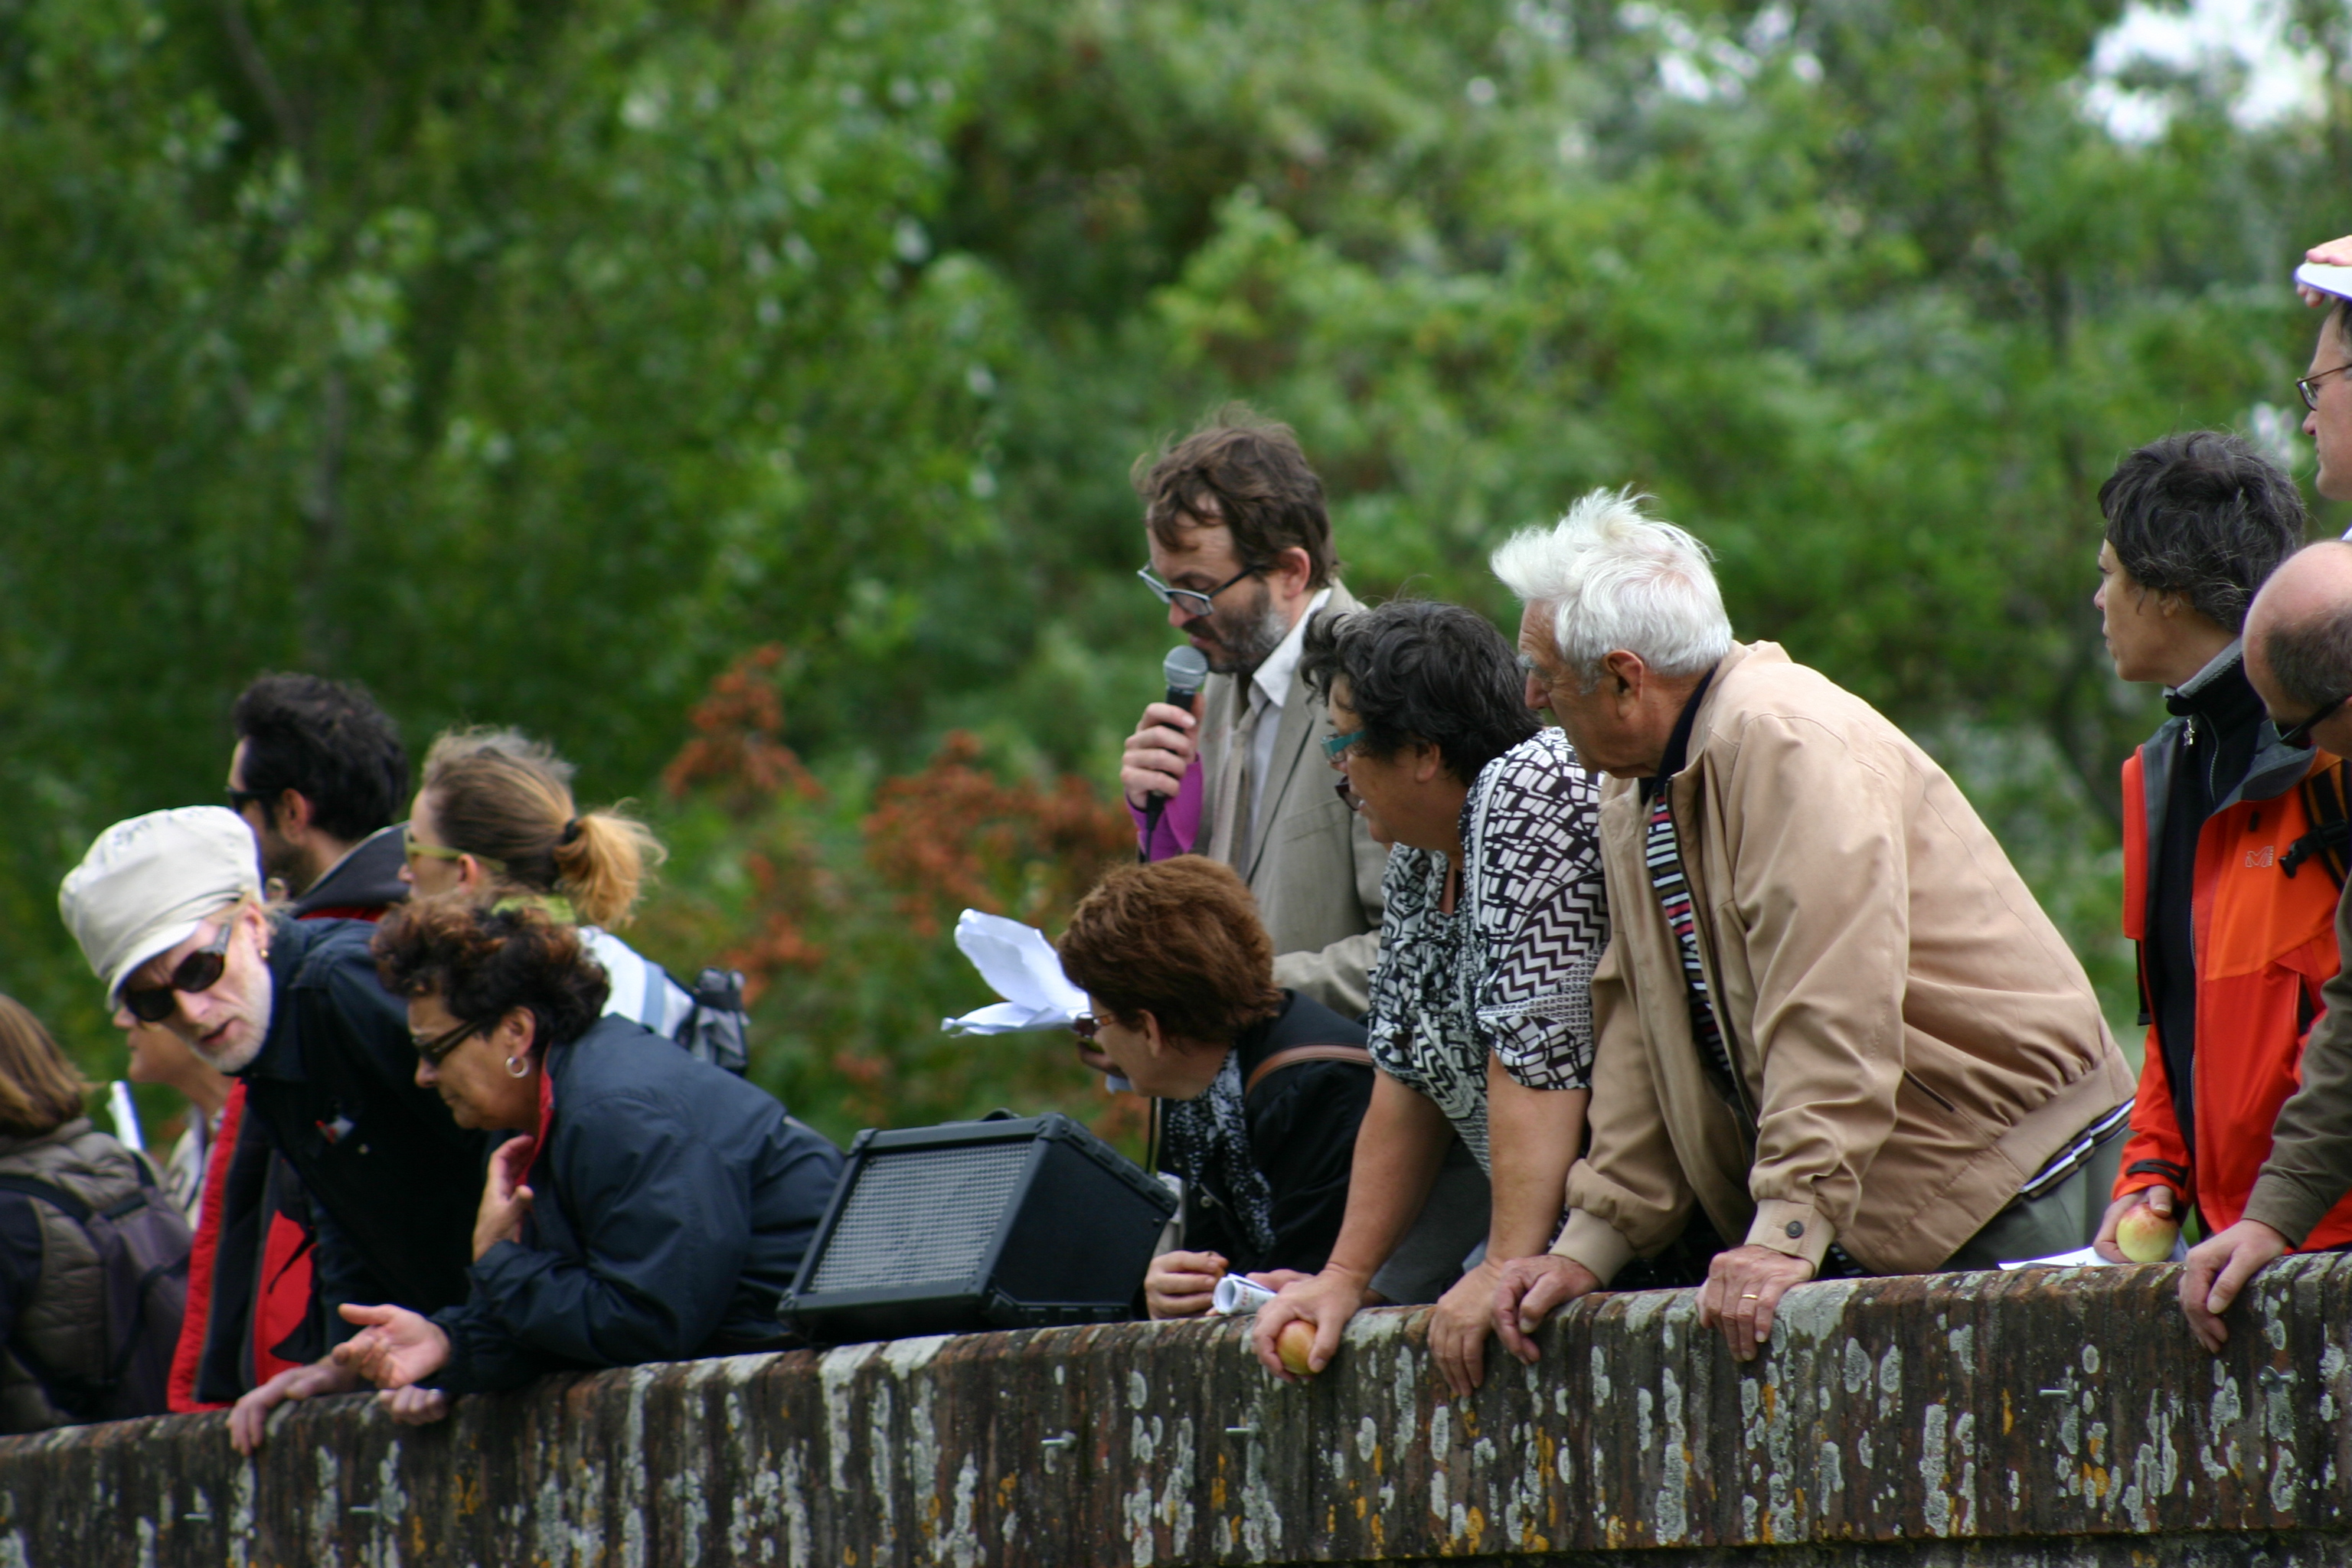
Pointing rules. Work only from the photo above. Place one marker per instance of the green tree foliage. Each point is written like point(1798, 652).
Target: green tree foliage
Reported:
point(531, 361)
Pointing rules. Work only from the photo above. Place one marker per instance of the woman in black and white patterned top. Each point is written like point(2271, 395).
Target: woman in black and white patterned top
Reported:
point(1481, 1017)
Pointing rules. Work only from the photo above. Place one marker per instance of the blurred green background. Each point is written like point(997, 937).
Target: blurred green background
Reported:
point(536, 363)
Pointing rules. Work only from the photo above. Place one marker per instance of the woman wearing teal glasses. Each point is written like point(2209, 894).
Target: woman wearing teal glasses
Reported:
point(495, 821)
point(1481, 1016)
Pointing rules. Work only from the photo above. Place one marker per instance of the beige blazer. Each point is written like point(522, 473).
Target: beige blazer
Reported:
point(1314, 867)
point(1912, 1038)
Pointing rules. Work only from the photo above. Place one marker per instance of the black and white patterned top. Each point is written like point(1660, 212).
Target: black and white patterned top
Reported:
point(1510, 971)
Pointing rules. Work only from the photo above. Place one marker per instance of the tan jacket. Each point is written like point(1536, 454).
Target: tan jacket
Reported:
point(1314, 870)
point(1913, 1037)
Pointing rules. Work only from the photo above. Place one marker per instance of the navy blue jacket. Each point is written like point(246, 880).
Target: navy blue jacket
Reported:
point(671, 1204)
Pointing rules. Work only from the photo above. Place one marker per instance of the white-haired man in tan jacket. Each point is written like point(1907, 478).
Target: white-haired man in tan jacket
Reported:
point(1832, 1019)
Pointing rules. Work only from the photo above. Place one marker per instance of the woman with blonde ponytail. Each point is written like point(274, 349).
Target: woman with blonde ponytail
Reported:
point(494, 821)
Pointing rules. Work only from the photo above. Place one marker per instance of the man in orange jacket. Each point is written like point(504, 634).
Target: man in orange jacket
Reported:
point(2229, 889)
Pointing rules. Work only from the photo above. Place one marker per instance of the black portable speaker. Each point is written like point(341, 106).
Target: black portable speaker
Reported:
point(1015, 1223)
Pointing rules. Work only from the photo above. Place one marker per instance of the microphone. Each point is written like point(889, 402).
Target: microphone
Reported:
point(1184, 670)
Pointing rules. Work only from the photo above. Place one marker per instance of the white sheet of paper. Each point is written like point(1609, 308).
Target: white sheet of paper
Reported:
point(1021, 966)
point(2081, 1257)
point(2335, 281)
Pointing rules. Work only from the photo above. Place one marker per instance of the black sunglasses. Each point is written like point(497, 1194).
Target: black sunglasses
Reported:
point(2299, 735)
point(238, 799)
point(436, 1050)
point(1085, 1026)
point(200, 970)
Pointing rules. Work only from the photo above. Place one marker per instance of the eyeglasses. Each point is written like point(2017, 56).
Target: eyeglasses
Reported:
point(2299, 735)
point(436, 1050)
point(1192, 601)
point(1336, 746)
point(238, 799)
point(200, 970)
point(2308, 385)
point(1085, 1026)
point(411, 846)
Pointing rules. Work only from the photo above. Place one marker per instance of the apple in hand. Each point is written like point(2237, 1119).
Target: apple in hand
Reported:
point(1295, 1344)
point(2145, 1236)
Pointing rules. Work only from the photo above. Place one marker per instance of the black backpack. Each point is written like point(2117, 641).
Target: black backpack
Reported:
point(142, 1244)
point(2330, 839)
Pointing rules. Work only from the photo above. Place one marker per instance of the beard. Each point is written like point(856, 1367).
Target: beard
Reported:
point(1238, 640)
point(246, 1040)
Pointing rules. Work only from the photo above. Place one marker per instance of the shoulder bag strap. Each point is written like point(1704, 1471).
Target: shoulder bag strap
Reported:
point(1293, 1055)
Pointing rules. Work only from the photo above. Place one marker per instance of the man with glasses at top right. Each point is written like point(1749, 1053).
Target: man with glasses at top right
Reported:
point(1241, 554)
point(167, 909)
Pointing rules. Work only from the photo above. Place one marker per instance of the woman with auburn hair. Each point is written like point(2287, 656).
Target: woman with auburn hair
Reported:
point(495, 820)
point(1261, 1088)
point(655, 1208)
point(59, 1366)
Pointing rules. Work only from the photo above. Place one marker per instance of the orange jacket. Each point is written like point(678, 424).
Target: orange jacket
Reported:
point(2265, 943)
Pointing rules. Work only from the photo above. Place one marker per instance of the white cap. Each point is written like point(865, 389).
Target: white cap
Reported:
point(148, 883)
point(2335, 281)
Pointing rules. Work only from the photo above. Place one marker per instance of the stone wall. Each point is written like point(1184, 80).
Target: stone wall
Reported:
point(2041, 1419)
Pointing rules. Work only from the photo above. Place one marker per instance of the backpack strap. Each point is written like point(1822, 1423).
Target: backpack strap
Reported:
point(2330, 838)
point(1294, 1055)
point(51, 1193)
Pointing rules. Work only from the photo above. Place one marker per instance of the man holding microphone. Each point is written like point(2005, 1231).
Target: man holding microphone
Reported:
point(1241, 554)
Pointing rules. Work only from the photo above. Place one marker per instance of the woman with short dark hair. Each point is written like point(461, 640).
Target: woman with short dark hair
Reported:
point(1481, 1016)
point(1260, 1088)
point(2228, 887)
point(656, 1207)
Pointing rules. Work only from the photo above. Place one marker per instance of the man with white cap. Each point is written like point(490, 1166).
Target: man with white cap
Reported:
point(167, 907)
point(2325, 281)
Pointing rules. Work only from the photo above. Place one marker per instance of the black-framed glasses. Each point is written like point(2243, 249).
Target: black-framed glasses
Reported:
point(436, 1050)
point(1192, 601)
point(200, 970)
point(238, 799)
point(2299, 735)
point(2309, 385)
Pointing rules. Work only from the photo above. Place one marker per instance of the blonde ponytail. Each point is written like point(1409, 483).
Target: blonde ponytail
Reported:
point(603, 861)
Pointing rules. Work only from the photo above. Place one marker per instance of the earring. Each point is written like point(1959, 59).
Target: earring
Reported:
point(518, 1067)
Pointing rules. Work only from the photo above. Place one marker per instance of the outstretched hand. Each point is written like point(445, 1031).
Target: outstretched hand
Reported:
point(395, 1348)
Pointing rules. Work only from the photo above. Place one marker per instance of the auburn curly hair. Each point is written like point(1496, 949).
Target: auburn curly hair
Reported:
point(484, 962)
point(1178, 939)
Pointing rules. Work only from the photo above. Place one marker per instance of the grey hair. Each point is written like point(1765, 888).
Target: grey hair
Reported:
point(1615, 577)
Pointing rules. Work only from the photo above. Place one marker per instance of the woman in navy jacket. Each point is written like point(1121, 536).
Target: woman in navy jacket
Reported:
point(655, 1208)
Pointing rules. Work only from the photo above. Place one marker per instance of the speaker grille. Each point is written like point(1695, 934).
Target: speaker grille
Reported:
point(922, 1218)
